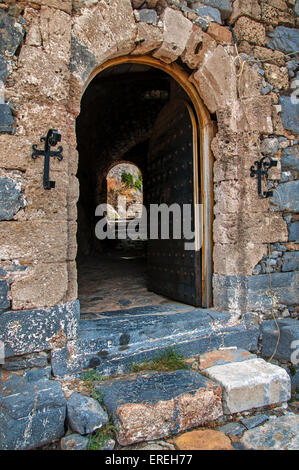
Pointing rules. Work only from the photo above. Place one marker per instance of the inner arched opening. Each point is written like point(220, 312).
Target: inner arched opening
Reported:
point(119, 113)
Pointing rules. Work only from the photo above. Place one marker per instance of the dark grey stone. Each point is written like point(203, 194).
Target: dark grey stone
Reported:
point(232, 428)
point(289, 332)
point(4, 298)
point(34, 375)
point(290, 159)
point(209, 12)
point(74, 442)
point(10, 198)
point(290, 113)
point(85, 414)
point(26, 362)
point(286, 197)
point(133, 338)
point(290, 261)
point(202, 23)
point(278, 433)
point(37, 328)
point(284, 39)
point(31, 414)
point(254, 421)
point(150, 388)
point(148, 16)
point(11, 34)
point(224, 6)
point(3, 69)
point(82, 61)
point(293, 229)
point(7, 122)
point(295, 381)
point(251, 293)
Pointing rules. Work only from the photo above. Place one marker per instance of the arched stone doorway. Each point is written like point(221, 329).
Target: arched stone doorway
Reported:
point(121, 114)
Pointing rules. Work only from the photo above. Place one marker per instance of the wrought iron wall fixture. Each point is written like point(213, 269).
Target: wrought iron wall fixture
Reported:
point(52, 138)
point(262, 168)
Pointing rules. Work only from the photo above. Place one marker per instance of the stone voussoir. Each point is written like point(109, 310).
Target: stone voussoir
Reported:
point(153, 405)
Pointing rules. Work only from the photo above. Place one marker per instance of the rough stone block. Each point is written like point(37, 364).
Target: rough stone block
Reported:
point(232, 428)
point(216, 80)
point(31, 414)
point(145, 15)
point(6, 120)
point(11, 34)
point(29, 331)
point(290, 261)
point(26, 362)
point(74, 442)
point(153, 405)
point(293, 229)
point(224, 6)
point(199, 46)
point(10, 198)
point(148, 38)
point(177, 30)
point(221, 34)
point(85, 414)
point(250, 384)
point(4, 296)
point(209, 13)
point(284, 39)
point(223, 356)
point(289, 335)
point(289, 114)
point(248, 30)
point(279, 433)
point(65, 5)
point(290, 159)
point(203, 439)
point(34, 240)
point(251, 9)
point(286, 197)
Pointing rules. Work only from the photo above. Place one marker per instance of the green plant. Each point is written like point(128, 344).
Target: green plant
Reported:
point(97, 395)
point(166, 361)
point(98, 439)
point(128, 179)
point(92, 376)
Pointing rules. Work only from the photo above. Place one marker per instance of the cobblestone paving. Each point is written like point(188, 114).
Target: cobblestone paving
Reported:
point(113, 282)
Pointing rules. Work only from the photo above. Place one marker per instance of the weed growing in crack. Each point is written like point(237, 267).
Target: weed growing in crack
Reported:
point(98, 439)
point(166, 361)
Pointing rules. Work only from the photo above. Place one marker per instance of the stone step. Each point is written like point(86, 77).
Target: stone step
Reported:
point(250, 384)
point(112, 344)
point(153, 405)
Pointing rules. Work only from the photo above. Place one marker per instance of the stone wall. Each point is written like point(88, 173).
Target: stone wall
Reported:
point(49, 48)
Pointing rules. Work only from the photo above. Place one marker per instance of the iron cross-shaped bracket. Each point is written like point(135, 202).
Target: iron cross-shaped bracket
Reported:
point(51, 139)
point(262, 170)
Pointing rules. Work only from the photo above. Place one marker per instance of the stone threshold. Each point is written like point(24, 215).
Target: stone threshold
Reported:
point(112, 343)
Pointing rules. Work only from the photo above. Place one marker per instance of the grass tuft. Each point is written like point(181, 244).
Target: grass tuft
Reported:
point(92, 376)
point(98, 439)
point(167, 361)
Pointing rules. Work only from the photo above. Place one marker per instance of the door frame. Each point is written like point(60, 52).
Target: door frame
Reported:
point(207, 130)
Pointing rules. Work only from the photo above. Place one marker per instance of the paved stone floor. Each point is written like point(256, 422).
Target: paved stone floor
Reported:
point(113, 281)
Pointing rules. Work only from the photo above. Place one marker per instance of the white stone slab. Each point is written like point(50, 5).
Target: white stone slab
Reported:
point(250, 384)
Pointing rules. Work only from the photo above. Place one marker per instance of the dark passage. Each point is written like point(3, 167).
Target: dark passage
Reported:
point(118, 112)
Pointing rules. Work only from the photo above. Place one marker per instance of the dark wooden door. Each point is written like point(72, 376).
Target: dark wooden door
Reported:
point(173, 177)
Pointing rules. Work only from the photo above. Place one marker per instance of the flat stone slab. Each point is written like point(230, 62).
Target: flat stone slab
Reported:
point(223, 356)
point(31, 414)
point(111, 344)
point(279, 433)
point(250, 384)
point(74, 442)
point(153, 405)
